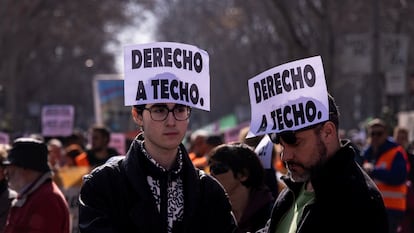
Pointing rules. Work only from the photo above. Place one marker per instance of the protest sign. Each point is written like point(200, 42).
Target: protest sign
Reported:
point(167, 72)
point(288, 97)
point(57, 120)
point(265, 150)
point(109, 103)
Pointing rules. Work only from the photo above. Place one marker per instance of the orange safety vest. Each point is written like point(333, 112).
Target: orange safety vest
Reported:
point(82, 159)
point(394, 196)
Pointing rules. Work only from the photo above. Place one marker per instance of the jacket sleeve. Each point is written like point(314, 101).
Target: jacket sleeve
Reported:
point(218, 207)
point(93, 211)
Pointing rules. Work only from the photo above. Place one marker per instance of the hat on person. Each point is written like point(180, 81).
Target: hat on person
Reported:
point(376, 122)
point(28, 153)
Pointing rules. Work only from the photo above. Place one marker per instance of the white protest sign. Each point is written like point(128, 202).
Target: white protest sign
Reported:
point(288, 97)
point(57, 120)
point(167, 72)
point(264, 150)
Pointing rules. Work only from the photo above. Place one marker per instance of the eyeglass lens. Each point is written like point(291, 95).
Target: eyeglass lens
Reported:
point(160, 112)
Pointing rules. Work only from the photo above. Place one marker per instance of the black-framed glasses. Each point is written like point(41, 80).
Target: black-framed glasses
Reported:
point(289, 137)
point(218, 168)
point(160, 112)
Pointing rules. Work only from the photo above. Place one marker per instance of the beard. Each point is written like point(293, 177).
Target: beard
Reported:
point(299, 172)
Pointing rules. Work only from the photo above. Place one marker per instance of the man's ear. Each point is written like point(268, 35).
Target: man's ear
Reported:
point(243, 175)
point(328, 130)
point(136, 116)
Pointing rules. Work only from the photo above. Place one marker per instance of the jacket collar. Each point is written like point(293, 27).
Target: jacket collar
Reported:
point(332, 168)
point(22, 197)
point(136, 174)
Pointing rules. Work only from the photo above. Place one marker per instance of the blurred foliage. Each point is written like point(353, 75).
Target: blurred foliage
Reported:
point(51, 50)
point(247, 37)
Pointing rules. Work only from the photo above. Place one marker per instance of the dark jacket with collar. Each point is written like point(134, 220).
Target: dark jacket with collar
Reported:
point(346, 199)
point(116, 197)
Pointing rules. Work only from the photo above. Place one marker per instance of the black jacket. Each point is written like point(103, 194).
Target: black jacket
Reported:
point(346, 199)
point(116, 197)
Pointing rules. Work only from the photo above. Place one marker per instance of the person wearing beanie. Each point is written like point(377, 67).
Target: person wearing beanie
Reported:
point(40, 205)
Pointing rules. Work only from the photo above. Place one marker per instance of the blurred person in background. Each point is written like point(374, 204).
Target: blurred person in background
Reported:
point(71, 152)
point(56, 153)
point(212, 141)
point(198, 148)
point(386, 162)
point(6, 193)
point(237, 167)
point(77, 137)
point(401, 136)
point(100, 151)
point(40, 205)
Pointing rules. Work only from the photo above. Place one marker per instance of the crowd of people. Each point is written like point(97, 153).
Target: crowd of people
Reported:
point(302, 180)
point(386, 156)
point(31, 186)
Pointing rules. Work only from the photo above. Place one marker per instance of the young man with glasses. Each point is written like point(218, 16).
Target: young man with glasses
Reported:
point(326, 190)
point(387, 164)
point(155, 188)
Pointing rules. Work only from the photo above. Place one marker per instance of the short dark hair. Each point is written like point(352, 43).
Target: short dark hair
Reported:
point(104, 131)
point(139, 108)
point(214, 140)
point(241, 159)
point(333, 111)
